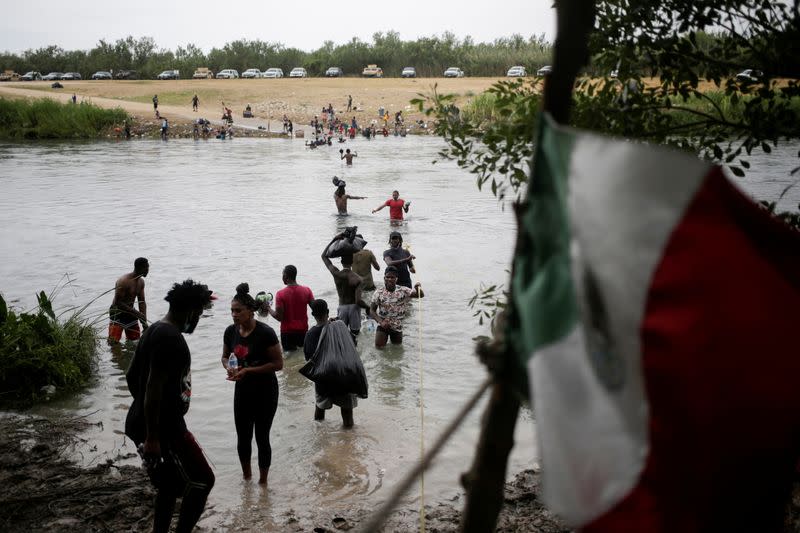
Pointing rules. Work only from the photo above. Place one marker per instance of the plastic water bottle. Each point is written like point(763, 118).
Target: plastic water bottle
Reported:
point(233, 363)
point(370, 325)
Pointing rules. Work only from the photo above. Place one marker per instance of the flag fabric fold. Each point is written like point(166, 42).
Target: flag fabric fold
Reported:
point(656, 312)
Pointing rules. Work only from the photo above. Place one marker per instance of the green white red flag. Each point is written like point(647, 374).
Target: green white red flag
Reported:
point(656, 310)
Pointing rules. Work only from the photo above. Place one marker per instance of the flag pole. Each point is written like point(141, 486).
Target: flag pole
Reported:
point(485, 481)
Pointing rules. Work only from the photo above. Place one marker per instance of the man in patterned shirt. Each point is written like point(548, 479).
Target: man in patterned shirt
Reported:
point(389, 306)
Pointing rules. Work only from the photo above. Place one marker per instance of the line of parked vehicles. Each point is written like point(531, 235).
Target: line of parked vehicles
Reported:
point(370, 71)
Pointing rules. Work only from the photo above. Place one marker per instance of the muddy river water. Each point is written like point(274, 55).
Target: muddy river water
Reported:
point(223, 212)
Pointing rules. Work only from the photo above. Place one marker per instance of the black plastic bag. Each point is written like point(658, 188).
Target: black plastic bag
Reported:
point(336, 367)
point(350, 244)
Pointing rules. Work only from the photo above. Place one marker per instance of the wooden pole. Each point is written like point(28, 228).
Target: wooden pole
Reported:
point(485, 481)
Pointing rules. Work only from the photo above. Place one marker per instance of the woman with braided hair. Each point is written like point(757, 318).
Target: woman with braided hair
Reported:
point(255, 398)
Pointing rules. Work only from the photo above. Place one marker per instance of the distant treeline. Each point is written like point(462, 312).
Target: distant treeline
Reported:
point(430, 55)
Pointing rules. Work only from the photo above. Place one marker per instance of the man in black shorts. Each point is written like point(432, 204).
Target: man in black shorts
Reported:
point(159, 380)
point(389, 306)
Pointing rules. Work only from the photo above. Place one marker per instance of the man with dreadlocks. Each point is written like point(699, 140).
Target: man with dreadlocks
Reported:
point(159, 380)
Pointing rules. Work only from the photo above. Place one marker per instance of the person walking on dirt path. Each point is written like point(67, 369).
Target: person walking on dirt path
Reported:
point(195, 102)
point(74, 98)
point(155, 103)
point(159, 379)
point(122, 315)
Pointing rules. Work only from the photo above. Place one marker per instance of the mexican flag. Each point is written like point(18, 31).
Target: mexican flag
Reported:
point(657, 312)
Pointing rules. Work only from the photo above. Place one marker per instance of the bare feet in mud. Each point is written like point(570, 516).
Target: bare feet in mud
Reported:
point(262, 478)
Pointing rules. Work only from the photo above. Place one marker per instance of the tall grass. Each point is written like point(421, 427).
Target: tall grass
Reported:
point(48, 119)
point(38, 349)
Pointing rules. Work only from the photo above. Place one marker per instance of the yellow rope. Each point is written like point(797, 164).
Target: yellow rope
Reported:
point(421, 418)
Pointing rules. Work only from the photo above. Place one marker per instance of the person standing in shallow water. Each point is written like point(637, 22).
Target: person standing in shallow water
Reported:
point(159, 379)
point(397, 206)
point(340, 197)
point(291, 303)
point(255, 398)
point(122, 315)
point(348, 286)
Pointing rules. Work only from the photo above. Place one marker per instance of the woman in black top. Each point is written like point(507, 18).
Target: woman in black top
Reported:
point(255, 399)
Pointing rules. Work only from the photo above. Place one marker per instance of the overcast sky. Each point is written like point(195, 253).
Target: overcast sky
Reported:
point(79, 24)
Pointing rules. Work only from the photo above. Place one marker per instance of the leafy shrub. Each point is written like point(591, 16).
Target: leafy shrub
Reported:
point(48, 119)
point(37, 349)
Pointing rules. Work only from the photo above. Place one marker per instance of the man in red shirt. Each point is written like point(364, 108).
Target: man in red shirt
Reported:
point(291, 304)
point(396, 206)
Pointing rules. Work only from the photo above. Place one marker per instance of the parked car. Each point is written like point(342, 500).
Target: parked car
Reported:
point(127, 75)
point(298, 72)
point(372, 71)
point(544, 71)
point(454, 72)
point(227, 74)
point(169, 75)
point(273, 72)
point(334, 72)
point(408, 72)
point(101, 75)
point(517, 72)
point(251, 73)
point(31, 76)
point(71, 76)
point(202, 73)
point(749, 75)
point(53, 76)
point(9, 75)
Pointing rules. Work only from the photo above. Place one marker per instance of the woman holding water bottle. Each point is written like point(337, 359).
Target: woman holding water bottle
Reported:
point(251, 355)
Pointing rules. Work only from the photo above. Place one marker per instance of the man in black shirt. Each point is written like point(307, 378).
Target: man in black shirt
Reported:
point(399, 258)
point(159, 380)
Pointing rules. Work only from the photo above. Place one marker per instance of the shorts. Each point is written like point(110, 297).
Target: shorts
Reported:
point(119, 322)
point(395, 336)
point(291, 340)
point(345, 401)
point(350, 314)
point(183, 468)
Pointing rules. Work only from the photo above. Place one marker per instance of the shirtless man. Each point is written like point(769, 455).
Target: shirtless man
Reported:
point(340, 197)
point(122, 315)
point(348, 156)
point(348, 286)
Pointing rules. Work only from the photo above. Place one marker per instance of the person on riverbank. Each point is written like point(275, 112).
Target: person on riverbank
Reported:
point(74, 98)
point(389, 305)
point(159, 379)
point(291, 304)
point(340, 196)
point(155, 104)
point(348, 286)
point(400, 259)
point(348, 156)
point(397, 206)
point(195, 102)
point(164, 129)
point(122, 316)
point(349, 102)
point(363, 263)
point(326, 399)
point(255, 398)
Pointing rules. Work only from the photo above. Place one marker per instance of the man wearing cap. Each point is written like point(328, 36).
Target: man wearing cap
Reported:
point(389, 306)
point(340, 197)
point(396, 207)
point(399, 258)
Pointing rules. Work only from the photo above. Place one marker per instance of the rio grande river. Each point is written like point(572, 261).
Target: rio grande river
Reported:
point(223, 212)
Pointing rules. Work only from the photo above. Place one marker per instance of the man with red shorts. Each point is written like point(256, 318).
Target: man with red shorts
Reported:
point(122, 315)
point(291, 310)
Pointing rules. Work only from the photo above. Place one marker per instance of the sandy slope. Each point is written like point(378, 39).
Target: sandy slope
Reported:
point(270, 99)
